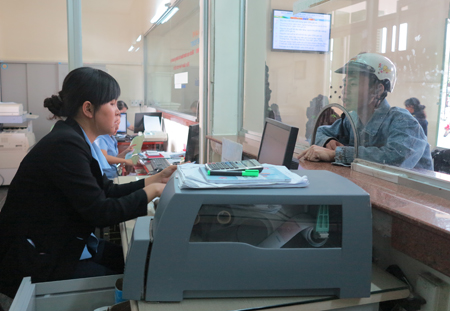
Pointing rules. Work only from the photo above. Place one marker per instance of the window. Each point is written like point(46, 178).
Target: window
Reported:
point(298, 84)
point(172, 60)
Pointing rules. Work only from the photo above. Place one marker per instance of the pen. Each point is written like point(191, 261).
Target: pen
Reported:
point(246, 173)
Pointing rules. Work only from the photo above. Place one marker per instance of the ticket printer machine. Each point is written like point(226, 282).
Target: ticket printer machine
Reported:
point(253, 242)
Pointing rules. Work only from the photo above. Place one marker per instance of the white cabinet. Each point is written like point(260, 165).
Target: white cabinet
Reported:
point(68, 295)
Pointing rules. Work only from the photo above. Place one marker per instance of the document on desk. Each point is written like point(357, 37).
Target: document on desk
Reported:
point(268, 175)
point(152, 124)
point(231, 151)
point(190, 177)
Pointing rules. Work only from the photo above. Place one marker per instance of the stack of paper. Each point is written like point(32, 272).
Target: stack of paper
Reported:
point(194, 176)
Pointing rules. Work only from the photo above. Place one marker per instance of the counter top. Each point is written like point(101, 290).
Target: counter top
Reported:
point(414, 206)
point(420, 221)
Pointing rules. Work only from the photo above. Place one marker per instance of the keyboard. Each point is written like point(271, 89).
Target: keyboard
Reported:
point(157, 164)
point(234, 166)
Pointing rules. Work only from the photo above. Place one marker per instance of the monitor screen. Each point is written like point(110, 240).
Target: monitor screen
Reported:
point(302, 32)
point(123, 123)
point(192, 145)
point(139, 120)
point(277, 143)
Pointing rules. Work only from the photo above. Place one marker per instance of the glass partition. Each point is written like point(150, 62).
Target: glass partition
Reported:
point(386, 63)
point(172, 61)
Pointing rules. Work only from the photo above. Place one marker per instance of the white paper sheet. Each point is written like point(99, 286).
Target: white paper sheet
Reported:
point(152, 124)
point(231, 151)
point(190, 177)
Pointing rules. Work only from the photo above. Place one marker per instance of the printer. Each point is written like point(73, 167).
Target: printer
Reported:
point(14, 146)
point(16, 138)
point(214, 243)
point(11, 109)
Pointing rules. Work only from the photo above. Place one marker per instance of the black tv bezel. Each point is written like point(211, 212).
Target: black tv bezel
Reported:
point(141, 118)
point(300, 51)
point(189, 146)
point(126, 119)
point(292, 140)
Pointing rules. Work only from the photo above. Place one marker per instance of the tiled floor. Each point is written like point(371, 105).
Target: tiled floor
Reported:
point(3, 192)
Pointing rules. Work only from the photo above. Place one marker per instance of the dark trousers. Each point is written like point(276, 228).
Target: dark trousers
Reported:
point(107, 261)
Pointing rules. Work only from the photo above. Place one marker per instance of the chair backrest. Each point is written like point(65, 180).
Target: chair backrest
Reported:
point(441, 159)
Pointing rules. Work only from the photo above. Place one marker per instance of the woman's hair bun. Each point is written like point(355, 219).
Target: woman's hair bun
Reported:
point(55, 105)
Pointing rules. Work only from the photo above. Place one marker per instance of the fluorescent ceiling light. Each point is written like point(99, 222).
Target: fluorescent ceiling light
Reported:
point(159, 12)
point(131, 48)
point(137, 49)
point(139, 38)
point(169, 15)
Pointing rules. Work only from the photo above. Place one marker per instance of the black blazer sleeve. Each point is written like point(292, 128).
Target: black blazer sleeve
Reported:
point(77, 176)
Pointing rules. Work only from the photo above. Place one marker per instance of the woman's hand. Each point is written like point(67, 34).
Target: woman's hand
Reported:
point(154, 190)
point(161, 177)
point(166, 173)
point(130, 148)
point(317, 153)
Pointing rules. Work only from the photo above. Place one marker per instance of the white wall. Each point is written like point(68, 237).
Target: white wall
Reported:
point(33, 30)
point(36, 31)
point(130, 79)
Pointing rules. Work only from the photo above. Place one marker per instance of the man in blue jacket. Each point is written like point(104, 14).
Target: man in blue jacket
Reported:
point(387, 135)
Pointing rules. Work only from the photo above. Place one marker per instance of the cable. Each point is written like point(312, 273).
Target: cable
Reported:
point(307, 234)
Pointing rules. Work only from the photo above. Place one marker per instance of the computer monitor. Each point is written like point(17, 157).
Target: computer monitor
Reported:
point(139, 120)
point(192, 145)
point(277, 143)
point(123, 124)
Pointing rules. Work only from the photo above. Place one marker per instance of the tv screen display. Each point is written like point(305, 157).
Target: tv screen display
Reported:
point(192, 145)
point(123, 123)
point(302, 32)
point(277, 143)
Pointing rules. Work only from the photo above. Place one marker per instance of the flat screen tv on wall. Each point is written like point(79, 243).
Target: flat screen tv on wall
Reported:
point(302, 32)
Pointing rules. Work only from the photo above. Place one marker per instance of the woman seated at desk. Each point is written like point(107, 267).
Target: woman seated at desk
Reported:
point(108, 146)
point(59, 194)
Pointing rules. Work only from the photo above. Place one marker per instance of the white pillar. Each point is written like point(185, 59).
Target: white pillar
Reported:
point(74, 34)
point(225, 84)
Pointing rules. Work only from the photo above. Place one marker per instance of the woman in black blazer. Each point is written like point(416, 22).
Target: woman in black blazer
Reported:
point(59, 194)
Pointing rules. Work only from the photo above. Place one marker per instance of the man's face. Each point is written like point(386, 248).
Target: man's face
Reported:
point(356, 93)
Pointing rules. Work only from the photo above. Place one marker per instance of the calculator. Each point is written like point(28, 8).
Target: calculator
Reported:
point(234, 165)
